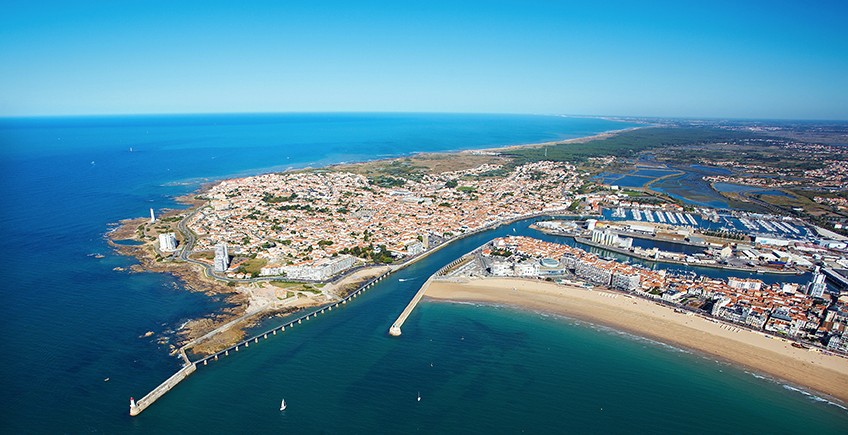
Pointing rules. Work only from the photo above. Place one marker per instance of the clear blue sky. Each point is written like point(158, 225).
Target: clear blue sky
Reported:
point(769, 59)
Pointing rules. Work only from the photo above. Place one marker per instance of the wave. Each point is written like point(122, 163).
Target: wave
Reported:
point(813, 397)
point(809, 395)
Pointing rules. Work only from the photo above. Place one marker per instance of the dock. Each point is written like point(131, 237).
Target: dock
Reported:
point(394, 330)
point(189, 367)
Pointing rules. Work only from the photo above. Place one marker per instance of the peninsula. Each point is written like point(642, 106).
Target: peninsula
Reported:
point(281, 242)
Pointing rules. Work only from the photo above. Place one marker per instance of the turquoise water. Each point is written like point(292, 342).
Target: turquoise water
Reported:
point(70, 321)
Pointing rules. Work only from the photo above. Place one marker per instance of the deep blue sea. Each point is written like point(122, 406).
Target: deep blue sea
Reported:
point(69, 320)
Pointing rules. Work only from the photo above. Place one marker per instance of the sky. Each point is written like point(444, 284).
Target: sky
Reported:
point(740, 59)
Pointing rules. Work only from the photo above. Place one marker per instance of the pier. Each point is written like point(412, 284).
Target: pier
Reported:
point(189, 367)
point(394, 330)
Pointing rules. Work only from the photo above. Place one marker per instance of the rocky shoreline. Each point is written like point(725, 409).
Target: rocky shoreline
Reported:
point(245, 305)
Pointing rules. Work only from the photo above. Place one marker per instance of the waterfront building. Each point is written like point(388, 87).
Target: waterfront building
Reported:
point(527, 269)
point(320, 270)
point(414, 248)
point(605, 237)
point(501, 268)
point(222, 257)
point(817, 285)
point(626, 281)
point(672, 295)
point(593, 272)
point(168, 242)
point(719, 304)
point(770, 240)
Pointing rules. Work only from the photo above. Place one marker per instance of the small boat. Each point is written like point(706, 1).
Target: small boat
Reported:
point(419, 396)
point(283, 405)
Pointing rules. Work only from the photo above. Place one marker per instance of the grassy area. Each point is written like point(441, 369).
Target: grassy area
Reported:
point(413, 168)
point(626, 144)
point(293, 287)
point(287, 285)
point(253, 265)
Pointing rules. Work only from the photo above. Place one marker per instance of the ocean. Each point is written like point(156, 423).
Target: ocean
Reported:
point(69, 320)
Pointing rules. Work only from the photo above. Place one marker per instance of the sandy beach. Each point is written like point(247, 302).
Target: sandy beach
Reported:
point(827, 374)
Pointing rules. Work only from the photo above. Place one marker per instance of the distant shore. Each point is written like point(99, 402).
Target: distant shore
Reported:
point(582, 139)
point(827, 374)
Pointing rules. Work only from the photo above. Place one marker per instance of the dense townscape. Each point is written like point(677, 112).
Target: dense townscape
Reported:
point(301, 222)
point(805, 312)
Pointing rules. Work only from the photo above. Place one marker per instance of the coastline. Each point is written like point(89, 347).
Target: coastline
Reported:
point(604, 135)
point(239, 315)
point(810, 368)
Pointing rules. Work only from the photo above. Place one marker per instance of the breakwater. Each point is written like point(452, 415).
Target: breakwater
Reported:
point(394, 330)
point(136, 407)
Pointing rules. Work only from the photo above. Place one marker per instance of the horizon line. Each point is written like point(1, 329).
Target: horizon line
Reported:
point(377, 112)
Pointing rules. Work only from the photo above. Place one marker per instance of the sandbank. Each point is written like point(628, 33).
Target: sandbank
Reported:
point(827, 374)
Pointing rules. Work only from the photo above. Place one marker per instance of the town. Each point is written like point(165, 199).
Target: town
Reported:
point(314, 224)
point(805, 313)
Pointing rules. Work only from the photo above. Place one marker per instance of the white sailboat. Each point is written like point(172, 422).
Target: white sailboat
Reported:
point(283, 405)
point(419, 396)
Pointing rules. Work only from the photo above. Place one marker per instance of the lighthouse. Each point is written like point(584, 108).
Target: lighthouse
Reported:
point(152, 217)
point(134, 408)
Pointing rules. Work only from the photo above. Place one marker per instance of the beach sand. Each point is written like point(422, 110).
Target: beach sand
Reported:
point(827, 374)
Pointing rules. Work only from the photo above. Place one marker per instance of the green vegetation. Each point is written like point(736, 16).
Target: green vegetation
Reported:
point(286, 284)
point(252, 266)
point(271, 199)
point(386, 181)
point(377, 254)
point(627, 144)
point(451, 184)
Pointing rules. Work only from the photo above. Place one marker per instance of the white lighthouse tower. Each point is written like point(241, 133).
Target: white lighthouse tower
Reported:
point(152, 217)
point(134, 408)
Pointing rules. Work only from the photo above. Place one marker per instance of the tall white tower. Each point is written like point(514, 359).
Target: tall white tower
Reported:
point(222, 257)
point(152, 216)
point(817, 285)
